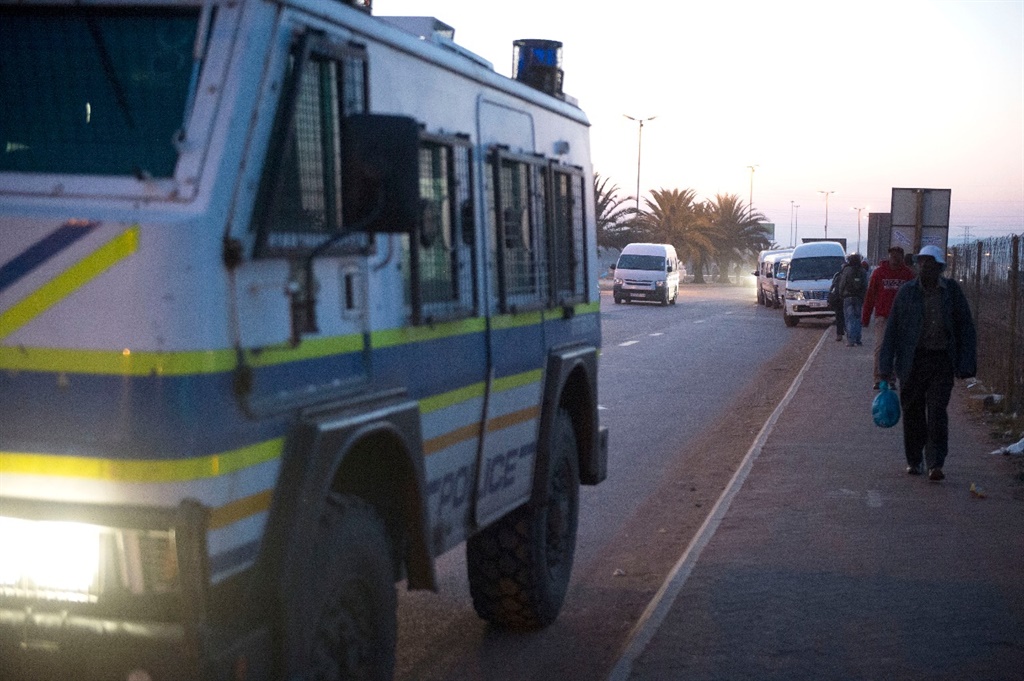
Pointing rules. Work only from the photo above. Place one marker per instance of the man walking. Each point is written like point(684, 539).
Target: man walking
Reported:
point(853, 281)
point(929, 340)
point(885, 281)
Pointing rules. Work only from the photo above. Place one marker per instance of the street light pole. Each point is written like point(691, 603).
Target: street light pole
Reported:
point(792, 237)
point(796, 224)
point(750, 204)
point(858, 226)
point(826, 192)
point(639, 141)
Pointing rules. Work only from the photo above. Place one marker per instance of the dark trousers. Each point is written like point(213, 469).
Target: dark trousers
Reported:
point(924, 398)
point(840, 320)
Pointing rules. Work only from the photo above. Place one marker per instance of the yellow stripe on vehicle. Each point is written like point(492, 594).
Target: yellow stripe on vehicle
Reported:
point(140, 470)
point(240, 509)
point(69, 281)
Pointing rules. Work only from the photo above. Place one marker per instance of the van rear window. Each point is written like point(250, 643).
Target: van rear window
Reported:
point(654, 263)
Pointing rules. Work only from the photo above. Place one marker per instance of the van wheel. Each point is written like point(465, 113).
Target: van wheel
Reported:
point(618, 300)
point(665, 297)
point(790, 321)
point(519, 566)
point(347, 612)
point(760, 295)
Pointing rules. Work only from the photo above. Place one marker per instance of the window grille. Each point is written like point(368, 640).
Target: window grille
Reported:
point(568, 245)
point(300, 197)
point(439, 257)
point(517, 235)
point(94, 91)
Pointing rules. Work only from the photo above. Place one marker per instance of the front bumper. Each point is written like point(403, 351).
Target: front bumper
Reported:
point(804, 310)
point(124, 633)
point(637, 292)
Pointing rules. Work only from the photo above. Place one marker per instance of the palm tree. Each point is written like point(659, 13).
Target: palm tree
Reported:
point(742, 236)
point(672, 216)
point(614, 217)
point(667, 214)
point(701, 246)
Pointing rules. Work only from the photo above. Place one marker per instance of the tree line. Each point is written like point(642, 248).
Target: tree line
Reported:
point(722, 231)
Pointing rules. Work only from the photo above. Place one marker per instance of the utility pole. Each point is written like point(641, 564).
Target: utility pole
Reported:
point(858, 227)
point(750, 204)
point(639, 142)
point(826, 192)
point(792, 235)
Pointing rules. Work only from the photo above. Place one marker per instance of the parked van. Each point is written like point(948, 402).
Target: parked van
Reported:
point(759, 272)
point(771, 278)
point(811, 268)
point(647, 271)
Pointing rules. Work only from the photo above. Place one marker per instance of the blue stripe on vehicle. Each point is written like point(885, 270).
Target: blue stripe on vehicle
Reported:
point(42, 250)
point(234, 558)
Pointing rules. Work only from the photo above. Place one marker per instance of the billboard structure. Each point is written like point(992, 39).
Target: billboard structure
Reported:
point(920, 217)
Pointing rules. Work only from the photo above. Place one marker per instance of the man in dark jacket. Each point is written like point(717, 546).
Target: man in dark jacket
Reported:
point(853, 282)
point(929, 340)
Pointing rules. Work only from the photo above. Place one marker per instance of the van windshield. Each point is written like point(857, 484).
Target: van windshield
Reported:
point(94, 91)
point(629, 261)
point(819, 267)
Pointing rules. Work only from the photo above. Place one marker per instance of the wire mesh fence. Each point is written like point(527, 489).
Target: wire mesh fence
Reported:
point(990, 273)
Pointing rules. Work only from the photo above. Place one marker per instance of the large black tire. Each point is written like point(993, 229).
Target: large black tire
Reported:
point(352, 603)
point(519, 567)
point(790, 321)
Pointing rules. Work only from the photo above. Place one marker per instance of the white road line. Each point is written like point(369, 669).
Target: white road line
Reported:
point(622, 345)
point(660, 605)
point(656, 334)
point(699, 321)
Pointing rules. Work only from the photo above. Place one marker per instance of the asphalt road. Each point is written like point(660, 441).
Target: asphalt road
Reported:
point(684, 389)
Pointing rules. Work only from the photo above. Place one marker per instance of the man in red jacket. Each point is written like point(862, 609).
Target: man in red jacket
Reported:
point(885, 281)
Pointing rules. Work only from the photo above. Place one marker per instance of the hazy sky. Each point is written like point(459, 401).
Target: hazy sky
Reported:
point(855, 97)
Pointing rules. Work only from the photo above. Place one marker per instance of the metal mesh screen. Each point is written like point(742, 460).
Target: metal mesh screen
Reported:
point(439, 261)
point(567, 237)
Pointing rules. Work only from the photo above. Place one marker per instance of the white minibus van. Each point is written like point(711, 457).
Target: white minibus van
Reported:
point(647, 271)
point(811, 268)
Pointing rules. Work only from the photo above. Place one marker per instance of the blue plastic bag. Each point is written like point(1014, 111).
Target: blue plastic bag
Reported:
point(885, 410)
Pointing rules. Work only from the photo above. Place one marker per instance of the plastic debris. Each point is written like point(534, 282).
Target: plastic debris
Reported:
point(977, 491)
point(619, 572)
point(1015, 449)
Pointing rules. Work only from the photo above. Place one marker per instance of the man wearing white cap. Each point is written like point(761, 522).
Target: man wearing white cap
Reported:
point(929, 340)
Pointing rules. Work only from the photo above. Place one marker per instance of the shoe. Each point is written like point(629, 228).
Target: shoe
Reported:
point(936, 474)
point(858, 343)
point(839, 338)
point(878, 385)
point(914, 470)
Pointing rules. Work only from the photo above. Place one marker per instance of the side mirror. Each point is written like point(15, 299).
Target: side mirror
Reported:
point(611, 267)
point(380, 173)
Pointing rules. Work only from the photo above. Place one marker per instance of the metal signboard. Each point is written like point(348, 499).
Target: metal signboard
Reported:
point(920, 217)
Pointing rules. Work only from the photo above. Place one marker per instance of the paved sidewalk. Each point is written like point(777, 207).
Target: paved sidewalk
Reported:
point(832, 563)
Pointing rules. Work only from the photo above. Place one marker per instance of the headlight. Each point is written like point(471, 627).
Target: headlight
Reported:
point(617, 281)
point(71, 561)
point(794, 294)
point(659, 284)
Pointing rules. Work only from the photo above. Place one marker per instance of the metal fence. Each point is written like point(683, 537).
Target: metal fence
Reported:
point(990, 273)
